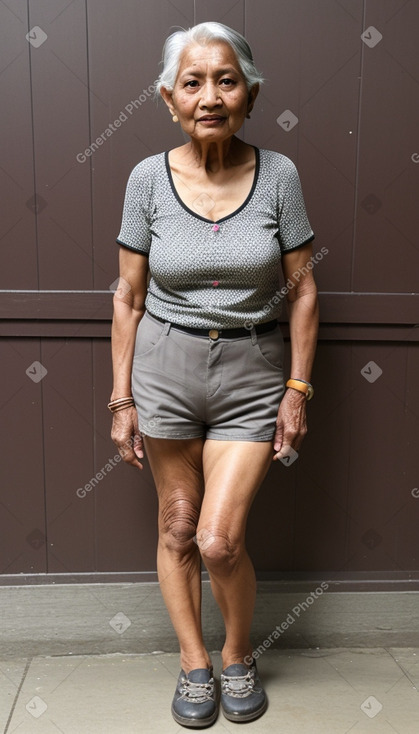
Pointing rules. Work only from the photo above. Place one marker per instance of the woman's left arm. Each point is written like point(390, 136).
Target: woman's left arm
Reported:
point(303, 311)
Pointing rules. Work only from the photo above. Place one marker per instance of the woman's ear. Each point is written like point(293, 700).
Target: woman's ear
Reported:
point(167, 96)
point(252, 97)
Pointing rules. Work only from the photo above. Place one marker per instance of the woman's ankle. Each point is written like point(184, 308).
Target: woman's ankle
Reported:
point(244, 657)
point(190, 662)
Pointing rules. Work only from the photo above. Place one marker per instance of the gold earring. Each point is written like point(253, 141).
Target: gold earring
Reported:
point(175, 118)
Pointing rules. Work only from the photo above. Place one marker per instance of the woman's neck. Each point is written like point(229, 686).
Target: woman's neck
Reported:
point(214, 157)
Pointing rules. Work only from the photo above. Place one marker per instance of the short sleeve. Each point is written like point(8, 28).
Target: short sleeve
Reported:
point(135, 227)
point(294, 229)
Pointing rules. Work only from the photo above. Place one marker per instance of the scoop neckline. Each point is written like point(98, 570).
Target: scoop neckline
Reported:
point(228, 216)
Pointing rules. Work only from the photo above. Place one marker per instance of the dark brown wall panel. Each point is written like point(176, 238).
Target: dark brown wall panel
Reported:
point(68, 430)
point(383, 465)
point(18, 216)
point(406, 544)
point(59, 77)
point(22, 493)
point(387, 252)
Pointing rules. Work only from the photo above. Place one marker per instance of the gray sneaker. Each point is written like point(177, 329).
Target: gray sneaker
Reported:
point(194, 703)
point(242, 695)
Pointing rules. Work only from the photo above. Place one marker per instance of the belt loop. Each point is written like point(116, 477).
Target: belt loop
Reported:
point(166, 328)
point(254, 335)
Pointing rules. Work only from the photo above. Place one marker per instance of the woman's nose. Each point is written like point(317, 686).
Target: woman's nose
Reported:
point(210, 95)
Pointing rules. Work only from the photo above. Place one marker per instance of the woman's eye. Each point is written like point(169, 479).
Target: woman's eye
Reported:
point(224, 82)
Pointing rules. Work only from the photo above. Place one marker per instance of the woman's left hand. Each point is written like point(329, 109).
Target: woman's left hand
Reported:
point(291, 425)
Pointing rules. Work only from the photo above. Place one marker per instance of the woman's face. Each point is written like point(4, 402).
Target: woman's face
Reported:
point(210, 96)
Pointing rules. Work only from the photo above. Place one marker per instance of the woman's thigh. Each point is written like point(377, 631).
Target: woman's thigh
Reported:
point(176, 466)
point(210, 483)
point(233, 472)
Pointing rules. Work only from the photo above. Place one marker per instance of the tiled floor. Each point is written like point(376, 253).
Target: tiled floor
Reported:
point(311, 691)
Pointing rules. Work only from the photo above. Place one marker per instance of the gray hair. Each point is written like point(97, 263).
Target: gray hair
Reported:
point(177, 42)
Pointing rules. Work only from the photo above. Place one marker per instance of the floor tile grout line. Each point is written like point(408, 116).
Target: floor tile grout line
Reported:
point(400, 666)
point(83, 658)
point(15, 700)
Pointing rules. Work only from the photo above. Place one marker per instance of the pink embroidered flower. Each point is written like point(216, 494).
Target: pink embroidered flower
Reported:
point(216, 227)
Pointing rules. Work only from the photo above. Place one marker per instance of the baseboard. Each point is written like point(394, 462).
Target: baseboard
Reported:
point(285, 580)
point(128, 618)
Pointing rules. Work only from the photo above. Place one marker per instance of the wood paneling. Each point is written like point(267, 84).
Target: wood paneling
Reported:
point(18, 234)
point(69, 437)
point(386, 254)
point(22, 501)
point(59, 77)
point(348, 507)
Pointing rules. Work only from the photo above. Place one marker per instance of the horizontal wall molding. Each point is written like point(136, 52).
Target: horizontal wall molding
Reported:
point(56, 305)
point(78, 314)
point(346, 308)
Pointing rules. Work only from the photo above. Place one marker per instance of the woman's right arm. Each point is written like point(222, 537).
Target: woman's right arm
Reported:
point(129, 308)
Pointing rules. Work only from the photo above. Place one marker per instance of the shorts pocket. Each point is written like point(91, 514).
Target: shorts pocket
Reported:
point(270, 348)
point(149, 333)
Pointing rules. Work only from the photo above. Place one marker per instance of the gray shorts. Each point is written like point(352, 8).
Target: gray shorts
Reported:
point(188, 386)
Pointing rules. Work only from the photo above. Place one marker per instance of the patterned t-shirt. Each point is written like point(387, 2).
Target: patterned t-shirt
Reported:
point(207, 274)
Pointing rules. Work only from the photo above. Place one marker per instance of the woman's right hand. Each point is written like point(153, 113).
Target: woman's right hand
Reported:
point(126, 436)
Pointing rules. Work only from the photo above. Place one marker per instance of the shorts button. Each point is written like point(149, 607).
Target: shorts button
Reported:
point(213, 334)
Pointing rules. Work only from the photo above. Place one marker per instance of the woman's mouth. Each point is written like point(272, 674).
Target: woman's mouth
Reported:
point(211, 120)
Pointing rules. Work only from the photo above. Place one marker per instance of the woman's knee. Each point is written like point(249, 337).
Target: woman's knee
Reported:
point(219, 551)
point(178, 520)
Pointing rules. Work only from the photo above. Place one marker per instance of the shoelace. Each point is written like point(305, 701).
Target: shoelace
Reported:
point(238, 686)
point(197, 692)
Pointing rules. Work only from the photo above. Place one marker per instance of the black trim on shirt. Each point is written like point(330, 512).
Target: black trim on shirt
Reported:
point(297, 247)
point(130, 247)
point(233, 214)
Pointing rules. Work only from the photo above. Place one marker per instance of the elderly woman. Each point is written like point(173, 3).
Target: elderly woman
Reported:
point(198, 353)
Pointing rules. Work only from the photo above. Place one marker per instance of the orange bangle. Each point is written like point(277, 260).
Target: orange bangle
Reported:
point(302, 386)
